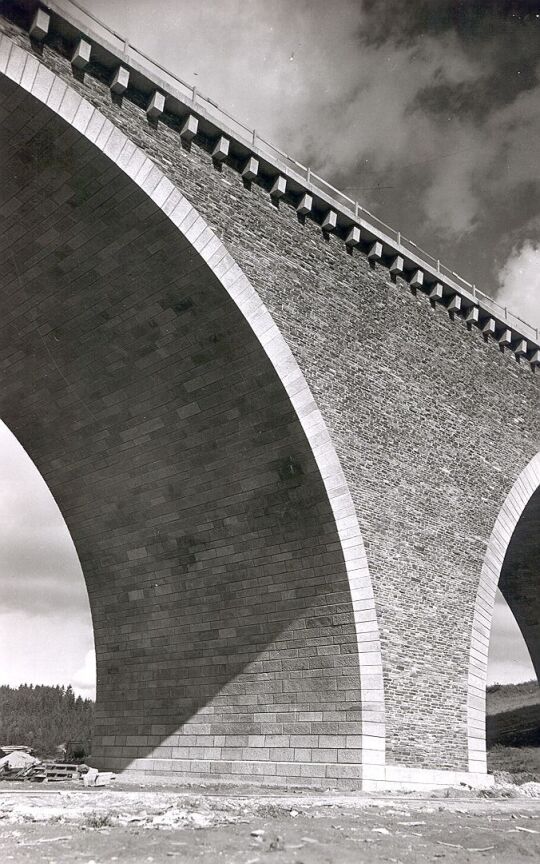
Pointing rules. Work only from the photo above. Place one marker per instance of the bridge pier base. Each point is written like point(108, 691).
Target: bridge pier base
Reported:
point(401, 777)
point(390, 777)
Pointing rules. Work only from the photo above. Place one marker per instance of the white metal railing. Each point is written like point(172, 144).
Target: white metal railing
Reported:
point(250, 137)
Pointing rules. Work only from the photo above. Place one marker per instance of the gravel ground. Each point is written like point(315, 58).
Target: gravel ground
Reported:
point(130, 824)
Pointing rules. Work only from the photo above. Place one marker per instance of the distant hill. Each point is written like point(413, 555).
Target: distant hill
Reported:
point(506, 697)
point(513, 714)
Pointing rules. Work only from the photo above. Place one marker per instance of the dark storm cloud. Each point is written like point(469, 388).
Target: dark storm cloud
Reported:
point(473, 20)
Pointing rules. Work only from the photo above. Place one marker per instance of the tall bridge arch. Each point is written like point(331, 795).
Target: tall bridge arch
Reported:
point(511, 563)
point(265, 393)
point(217, 534)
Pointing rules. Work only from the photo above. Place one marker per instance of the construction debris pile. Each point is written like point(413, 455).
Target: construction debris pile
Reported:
point(20, 764)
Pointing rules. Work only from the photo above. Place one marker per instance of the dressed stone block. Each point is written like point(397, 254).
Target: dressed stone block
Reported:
point(40, 25)
point(305, 205)
point(156, 106)
point(189, 128)
point(81, 55)
point(120, 82)
point(221, 150)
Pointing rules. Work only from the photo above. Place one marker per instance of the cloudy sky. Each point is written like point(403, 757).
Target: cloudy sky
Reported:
point(45, 626)
point(426, 111)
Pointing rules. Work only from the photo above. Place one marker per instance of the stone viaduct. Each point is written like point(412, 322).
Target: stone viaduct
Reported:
point(295, 455)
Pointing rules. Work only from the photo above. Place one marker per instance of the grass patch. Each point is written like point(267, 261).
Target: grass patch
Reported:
point(99, 820)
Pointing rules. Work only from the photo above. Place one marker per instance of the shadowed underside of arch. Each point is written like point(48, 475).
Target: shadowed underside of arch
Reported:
point(512, 562)
point(519, 581)
point(233, 612)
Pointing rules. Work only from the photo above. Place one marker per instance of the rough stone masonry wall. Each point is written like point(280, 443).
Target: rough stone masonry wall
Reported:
point(431, 424)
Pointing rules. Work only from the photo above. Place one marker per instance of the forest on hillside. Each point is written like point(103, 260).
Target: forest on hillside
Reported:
point(44, 717)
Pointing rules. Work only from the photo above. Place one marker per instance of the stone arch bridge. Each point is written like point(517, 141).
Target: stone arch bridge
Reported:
point(295, 456)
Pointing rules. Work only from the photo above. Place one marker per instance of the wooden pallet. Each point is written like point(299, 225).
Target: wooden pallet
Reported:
point(54, 772)
point(17, 773)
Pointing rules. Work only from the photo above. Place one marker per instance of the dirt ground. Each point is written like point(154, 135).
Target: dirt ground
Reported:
point(136, 825)
point(520, 764)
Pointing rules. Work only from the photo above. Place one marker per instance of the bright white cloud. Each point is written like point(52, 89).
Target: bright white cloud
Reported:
point(520, 282)
point(509, 660)
point(84, 678)
point(49, 649)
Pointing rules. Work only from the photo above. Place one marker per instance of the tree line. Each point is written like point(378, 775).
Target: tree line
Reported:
point(43, 717)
